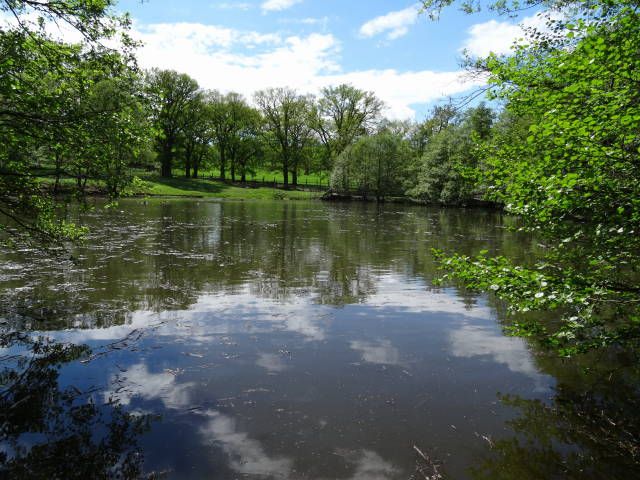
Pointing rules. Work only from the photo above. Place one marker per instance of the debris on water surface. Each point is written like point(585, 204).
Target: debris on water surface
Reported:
point(285, 353)
point(426, 467)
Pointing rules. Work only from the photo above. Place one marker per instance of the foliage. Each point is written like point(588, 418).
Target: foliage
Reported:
point(286, 114)
point(47, 113)
point(574, 180)
point(447, 171)
point(372, 166)
point(341, 115)
point(171, 95)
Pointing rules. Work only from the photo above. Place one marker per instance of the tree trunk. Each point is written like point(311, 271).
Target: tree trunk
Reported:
point(166, 159)
point(285, 170)
point(187, 166)
point(223, 162)
point(56, 186)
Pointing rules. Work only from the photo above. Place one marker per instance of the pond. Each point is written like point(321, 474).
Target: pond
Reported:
point(291, 340)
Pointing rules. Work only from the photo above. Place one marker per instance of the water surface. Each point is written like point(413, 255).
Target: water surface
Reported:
point(292, 340)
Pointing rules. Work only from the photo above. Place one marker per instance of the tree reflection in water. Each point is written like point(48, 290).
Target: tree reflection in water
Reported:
point(584, 433)
point(51, 432)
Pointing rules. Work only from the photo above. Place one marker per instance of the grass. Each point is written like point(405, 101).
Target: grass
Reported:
point(153, 185)
point(265, 176)
point(204, 188)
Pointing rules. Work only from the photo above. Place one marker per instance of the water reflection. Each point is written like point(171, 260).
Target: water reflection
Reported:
point(48, 430)
point(298, 340)
point(584, 433)
point(381, 352)
point(479, 341)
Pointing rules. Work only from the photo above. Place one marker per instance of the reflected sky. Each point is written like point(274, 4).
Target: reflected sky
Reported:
point(266, 386)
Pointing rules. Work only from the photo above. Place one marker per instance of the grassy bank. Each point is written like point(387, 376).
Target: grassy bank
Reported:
point(196, 187)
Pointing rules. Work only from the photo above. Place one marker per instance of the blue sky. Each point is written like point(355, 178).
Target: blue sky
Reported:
point(383, 46)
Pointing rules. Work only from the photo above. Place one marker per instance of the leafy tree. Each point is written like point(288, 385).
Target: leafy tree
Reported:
point(286, 115)
point(246, 144)
point(374, 165)
point(171, 95)
point(227, 115)
point(574, 180)
point(43, 83)
point(341, 115)
point(447, 172)
point(197, 135)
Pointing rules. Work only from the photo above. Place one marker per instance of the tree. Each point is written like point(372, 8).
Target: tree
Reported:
point(42, 84)
point(227, 116)
point(286, 116)
point(341, 115)
point(197, 135)
point(447, 171)
point(171, 96)
point(245, 145)
point(573, 181)
point(374, 165)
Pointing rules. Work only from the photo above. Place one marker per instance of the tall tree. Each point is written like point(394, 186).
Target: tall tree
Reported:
point(342, 114)
point(374, 165)
point(171, 95)
point(197, 135)
point(286, 115)
point(226, 117)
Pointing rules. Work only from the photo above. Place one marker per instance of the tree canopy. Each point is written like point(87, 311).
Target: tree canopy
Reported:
point(572, 178)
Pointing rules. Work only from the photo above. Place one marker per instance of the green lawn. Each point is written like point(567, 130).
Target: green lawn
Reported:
point(154, 185)
point(198, 187)
point(264, 175)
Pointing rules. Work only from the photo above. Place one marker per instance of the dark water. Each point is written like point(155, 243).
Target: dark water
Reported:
point(291, 340)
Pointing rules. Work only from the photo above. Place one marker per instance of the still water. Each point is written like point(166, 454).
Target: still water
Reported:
point(291, 340)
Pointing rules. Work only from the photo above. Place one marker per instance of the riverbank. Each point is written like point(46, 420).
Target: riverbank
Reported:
point(156, 186)
point(206, 188)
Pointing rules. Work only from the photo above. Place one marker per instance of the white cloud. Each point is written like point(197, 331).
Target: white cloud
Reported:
point(139, 382)
point(231, 60)
point(233, 6)
point(499, 37)
point(371, 466)
point(394, 24)
point(227, 59)
point(395, 293)
point(271, 362)
point(278, 5)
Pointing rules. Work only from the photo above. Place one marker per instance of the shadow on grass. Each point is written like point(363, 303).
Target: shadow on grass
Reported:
point(195, 185)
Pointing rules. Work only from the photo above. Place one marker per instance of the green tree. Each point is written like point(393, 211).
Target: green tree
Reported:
point(227, 116)
point(341, 115)
point(197, 135)
point(374, 165)
point(286, 115)
point(43, 84)
point(171, 95)
point(574, 180)
point(450, 160)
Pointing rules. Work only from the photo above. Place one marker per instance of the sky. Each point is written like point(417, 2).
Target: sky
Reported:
point(384, 46)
